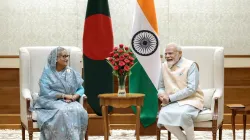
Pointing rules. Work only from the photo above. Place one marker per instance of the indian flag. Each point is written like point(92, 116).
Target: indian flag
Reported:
point(145, 45)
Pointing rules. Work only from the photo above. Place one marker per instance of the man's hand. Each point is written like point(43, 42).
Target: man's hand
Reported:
point(160, 96)
point(164, 98)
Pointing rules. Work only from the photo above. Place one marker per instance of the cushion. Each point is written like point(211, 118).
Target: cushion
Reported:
point(204, 115)
point(208, 95)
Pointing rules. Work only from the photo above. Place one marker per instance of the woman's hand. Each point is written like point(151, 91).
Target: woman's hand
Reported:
point(67, 101)
point(75, 97)
point(72, 97)
point(68, 97)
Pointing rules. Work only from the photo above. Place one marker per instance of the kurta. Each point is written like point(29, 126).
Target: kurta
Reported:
point(181, 84)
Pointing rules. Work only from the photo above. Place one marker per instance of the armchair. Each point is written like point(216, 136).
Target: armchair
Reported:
point(32, 62)
point(211, 67)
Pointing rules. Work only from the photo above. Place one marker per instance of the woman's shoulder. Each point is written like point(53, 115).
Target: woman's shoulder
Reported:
point(47, 70)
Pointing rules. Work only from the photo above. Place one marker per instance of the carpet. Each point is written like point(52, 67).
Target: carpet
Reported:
point(129, 135)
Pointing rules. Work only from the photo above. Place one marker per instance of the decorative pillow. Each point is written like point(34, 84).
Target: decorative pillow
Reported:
point(208, 95)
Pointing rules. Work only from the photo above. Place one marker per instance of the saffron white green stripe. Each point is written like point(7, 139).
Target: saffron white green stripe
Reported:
point(145, 74)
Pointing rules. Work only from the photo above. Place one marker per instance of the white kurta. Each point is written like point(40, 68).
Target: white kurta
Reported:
point(176, 115)
point(186, 100)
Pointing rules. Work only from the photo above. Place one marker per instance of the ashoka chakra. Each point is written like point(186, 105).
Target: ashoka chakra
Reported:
point(144, 42)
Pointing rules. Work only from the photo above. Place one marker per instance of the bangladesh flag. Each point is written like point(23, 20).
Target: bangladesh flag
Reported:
point(97, 44)
point(145, 45)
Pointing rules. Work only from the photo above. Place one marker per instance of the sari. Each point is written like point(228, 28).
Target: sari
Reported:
point(58, 120)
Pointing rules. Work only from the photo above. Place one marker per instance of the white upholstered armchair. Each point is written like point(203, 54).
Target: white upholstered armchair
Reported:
point(211, 68)
point(32, 62)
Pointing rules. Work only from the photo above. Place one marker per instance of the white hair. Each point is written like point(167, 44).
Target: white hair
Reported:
point(60, 50)
point(178, 48)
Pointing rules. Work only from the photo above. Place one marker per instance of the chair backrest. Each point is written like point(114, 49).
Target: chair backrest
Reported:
point(211, 64)
point(33, 59)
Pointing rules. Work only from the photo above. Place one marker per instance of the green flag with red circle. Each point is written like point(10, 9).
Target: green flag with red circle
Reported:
point(97, 44)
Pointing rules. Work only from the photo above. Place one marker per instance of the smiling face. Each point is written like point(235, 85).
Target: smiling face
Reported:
point(172, 55)
point(62, 58)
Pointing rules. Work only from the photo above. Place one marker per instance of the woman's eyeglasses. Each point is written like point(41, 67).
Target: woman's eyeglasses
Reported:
point(64, 56)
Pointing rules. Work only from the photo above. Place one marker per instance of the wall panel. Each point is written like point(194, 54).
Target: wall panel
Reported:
point(237, 90)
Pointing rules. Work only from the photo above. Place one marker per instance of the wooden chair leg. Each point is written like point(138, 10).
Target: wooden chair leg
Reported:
point(86, 135)
point(23, 133)
point(244, 126)
point(158, 133)
point(220, 133)
point(214, 135)
point(30, 135)
point(169, 135)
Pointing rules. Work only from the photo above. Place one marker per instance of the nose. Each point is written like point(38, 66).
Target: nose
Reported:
point(67, 59)
point(167, 55)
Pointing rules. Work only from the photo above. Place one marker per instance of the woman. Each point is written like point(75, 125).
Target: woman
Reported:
point(59, 115)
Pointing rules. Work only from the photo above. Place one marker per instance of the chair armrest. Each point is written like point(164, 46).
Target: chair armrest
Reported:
point(25, 97)
point(218, 106)
point(218, 93)
point(28, 98)
point(25, 101)
point(83, 101)
point(26, 94)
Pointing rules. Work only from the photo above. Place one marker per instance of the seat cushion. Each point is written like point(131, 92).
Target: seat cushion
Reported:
point(208, 95)
point(204, 115)
point(34, 118)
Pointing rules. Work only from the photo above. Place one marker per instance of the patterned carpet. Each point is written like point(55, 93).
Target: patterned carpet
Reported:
point(129, 135)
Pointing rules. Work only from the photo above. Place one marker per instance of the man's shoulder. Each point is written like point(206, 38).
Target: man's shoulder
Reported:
point(187, 62)
point(192, 63)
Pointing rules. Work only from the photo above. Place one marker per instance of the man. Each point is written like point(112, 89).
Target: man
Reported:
point(179, 92)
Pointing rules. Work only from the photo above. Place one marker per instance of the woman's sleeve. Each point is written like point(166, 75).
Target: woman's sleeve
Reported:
point(45, 89)
point(80, 91)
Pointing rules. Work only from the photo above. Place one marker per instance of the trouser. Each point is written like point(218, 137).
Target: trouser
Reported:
point(176, 130)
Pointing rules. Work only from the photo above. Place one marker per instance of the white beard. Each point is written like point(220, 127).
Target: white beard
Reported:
point(170, 64)
point(173, 62)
